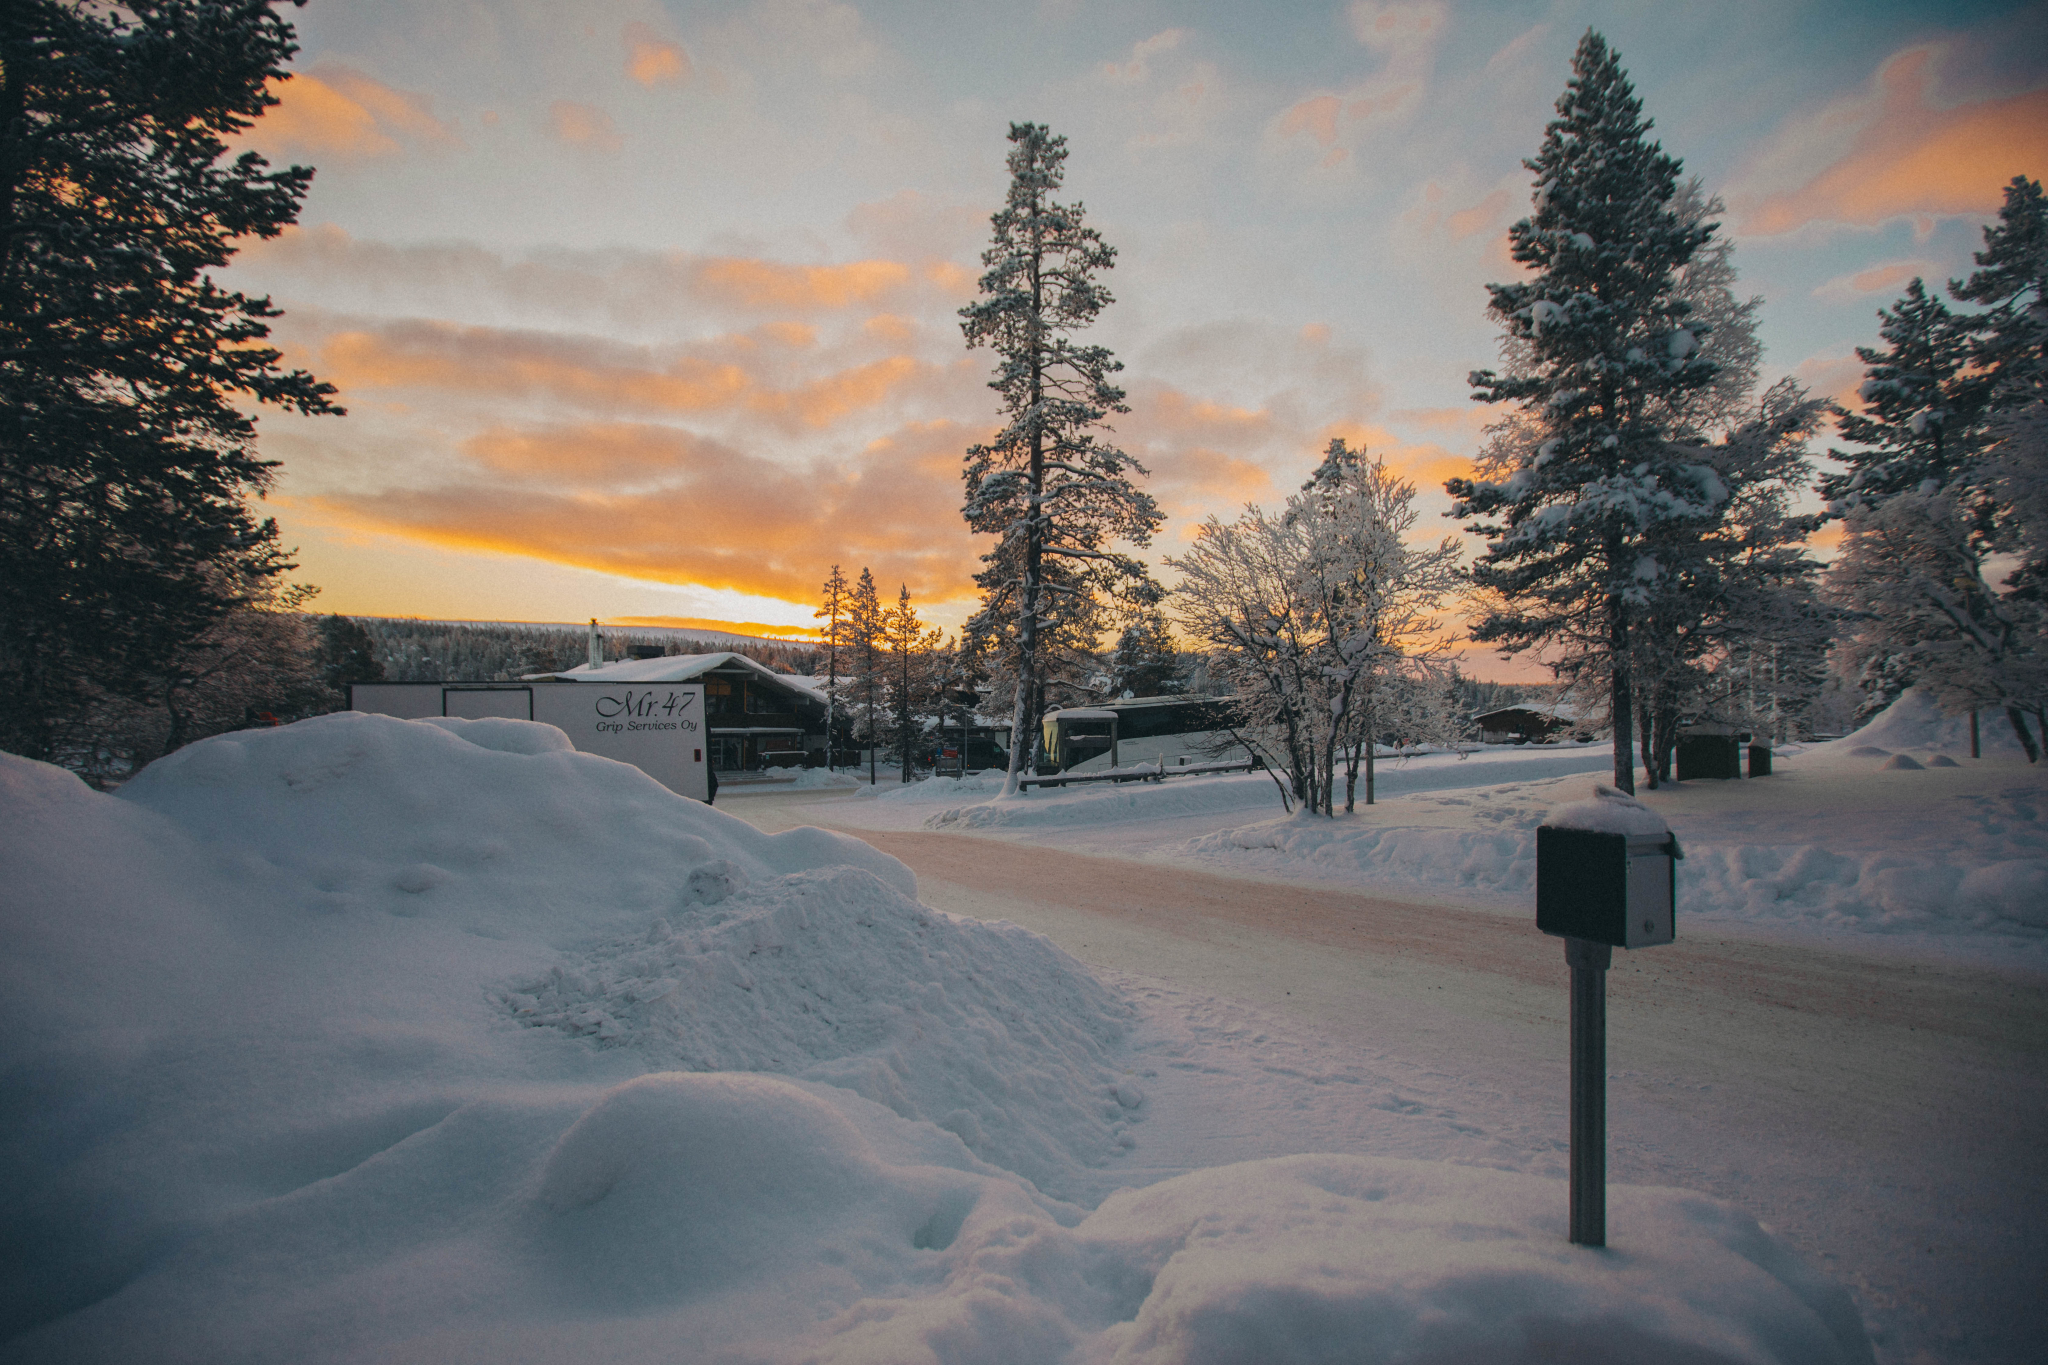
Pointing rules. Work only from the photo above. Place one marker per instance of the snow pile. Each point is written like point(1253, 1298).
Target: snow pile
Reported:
point(357, 1040)
point(1915, 721)
point(836, 977)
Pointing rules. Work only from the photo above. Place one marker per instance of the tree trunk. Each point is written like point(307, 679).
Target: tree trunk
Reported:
point(2019, 727)
point(1621, 705)
point(1649, 744)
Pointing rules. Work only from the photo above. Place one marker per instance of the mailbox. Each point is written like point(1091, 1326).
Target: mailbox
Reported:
point(1616, 889)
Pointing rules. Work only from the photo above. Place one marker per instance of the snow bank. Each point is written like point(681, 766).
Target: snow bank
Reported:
point(973, 805)
point(1915, 721)
point(1850, 845)
point(372, 1040)
point(808, 779)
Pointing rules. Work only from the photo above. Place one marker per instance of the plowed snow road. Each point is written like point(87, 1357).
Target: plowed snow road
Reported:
point(1887, 1116)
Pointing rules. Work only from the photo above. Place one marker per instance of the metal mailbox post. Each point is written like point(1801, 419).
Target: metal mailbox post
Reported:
point(1599, 891)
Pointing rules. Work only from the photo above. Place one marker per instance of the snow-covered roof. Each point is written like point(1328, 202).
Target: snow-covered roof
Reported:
point(1081, 713)
point(670, 668)
point(1549, 710)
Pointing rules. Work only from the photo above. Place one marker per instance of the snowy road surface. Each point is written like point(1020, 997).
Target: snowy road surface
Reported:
point(1883, 1113)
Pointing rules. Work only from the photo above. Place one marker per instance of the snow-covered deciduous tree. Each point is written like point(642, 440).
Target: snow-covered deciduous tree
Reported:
point(1319, 618)
point(1912, 571)
point(1611, 349)
point(1057, 495)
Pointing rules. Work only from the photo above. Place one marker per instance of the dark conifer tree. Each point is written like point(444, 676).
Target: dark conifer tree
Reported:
point(125, 462)
point(1609, 345)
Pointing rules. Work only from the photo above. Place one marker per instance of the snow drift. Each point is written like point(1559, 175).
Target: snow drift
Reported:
point(372, 1040)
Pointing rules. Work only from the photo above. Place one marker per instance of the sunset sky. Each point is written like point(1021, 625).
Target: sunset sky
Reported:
point(649, 311)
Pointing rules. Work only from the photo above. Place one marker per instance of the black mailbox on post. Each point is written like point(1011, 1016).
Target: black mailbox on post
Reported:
point(1611, 886)
point(1616, 889)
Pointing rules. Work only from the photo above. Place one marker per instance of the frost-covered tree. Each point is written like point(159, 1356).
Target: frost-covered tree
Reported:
point(1321, 618)
point(1056, 494)
point(127, 455)
point(1611, 348)
point(1912, 571)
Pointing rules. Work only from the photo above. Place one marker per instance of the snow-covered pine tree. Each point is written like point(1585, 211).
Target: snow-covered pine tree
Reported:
point(915, 672)
point(866, 632)
point(2009, 349)
point(1057, 495)
point(832, 611)
point(1145, 662)
point(1923, 408)
point(1610, 347)
point(1950, 477)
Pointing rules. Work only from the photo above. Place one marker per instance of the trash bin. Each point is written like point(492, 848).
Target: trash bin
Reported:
point(1759, 760)
point(1709, 756)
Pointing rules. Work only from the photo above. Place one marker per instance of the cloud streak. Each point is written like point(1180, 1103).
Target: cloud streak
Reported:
point(1894, 150)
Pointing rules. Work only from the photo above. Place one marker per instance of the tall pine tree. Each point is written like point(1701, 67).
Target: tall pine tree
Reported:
point(867, 628)
point(1609, 347)
point(1056, 494)
point(832, 611)
point(125, 460)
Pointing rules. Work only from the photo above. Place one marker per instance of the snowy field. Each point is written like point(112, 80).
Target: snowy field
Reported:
point(1893, 835)
point(379, 1040)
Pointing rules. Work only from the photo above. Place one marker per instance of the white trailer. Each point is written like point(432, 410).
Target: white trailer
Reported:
point(659, 728)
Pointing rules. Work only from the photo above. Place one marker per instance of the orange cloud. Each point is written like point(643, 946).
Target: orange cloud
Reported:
point(1205, 475)
point(1487, 211)
point(754, 283)
point(483, 360)
point(652, 60)
point(1887, 278)
point(1397, 28)
point(716, 517)
point(584, 125)
point(336, 111)
point(1836, 377)
point(1177, 412)
point(1317, 117)
point(605, 454)
point(1904, 155)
